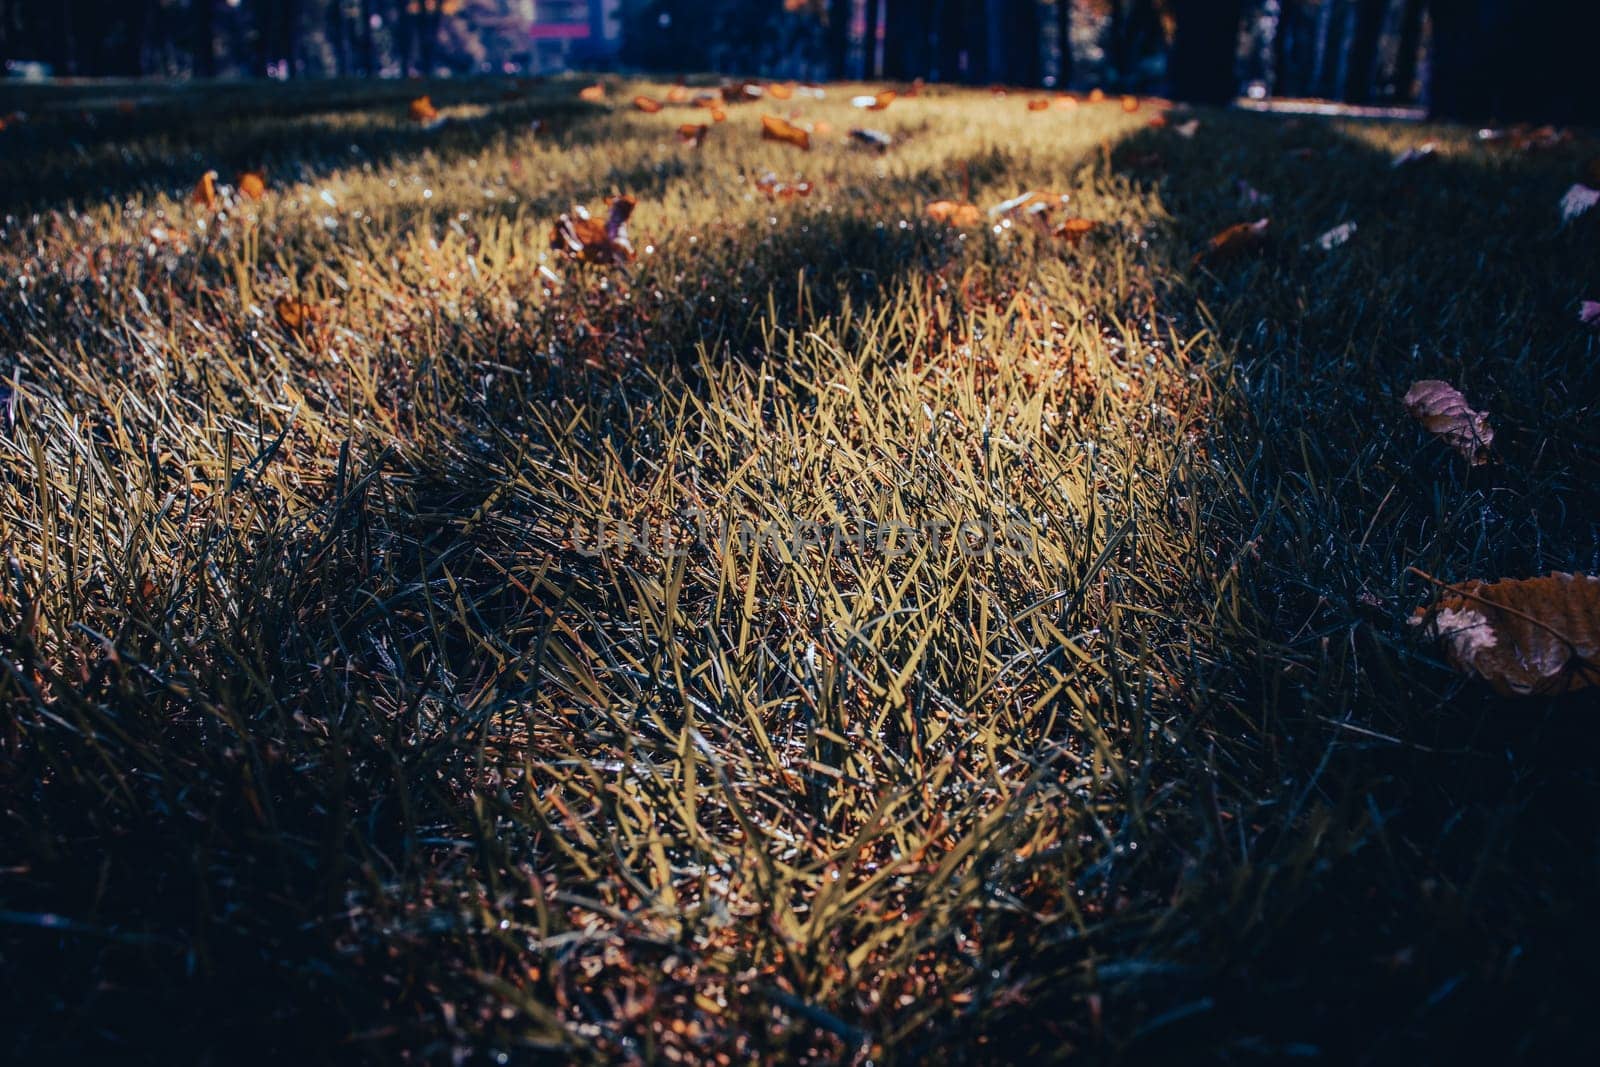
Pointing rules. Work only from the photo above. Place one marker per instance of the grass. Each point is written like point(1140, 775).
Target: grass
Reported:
point(328, 733)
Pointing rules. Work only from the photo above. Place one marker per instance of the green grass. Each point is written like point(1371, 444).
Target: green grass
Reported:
point(325, 736)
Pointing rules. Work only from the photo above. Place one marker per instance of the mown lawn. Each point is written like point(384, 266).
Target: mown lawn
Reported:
point(333, 729)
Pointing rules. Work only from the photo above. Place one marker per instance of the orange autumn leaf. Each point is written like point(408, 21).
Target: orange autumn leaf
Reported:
point(1075, 229)
point(774, 189)
point(252, 186)
point(883, 99)
point(593, 94)
point(1444, 412)
point(582, 237)
point(1097, 96)
point(718, 115)
point(677, 95)
point(205, 191)
point(1039, 104)
point(1066, 101)
point(1236, 240)
point(774, 128)
point(647, 105)
point(1130, 104)
point(693, 133)
point(1524, 637)
point(711, 98)
point(780, 92)
point(961, 216)
point(422, 110)
point(296, 315)
point(1158, 122)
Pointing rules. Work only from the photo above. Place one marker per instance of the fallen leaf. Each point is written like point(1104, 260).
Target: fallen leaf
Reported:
point(774, 128)
point(1524, 637)
point(1039, 104)
point(961, 216)
point(422, 110)
point(677, 95)
point(875, 102)
point(252, 185)
point(1066, 101)
point(1097, 96)
point(774, 189)
point(875, 139)
point(1589, 313)
point(1577, 201)
point(296, 315)
point(1337, 236)
point(1412, 156)
point(1032, 207)
point(1443, 411)
point(780, 92)
point(1075, 229)
point(693, 133)
point(1157, 122)
point(582, 237)
point(1236, 240)
point(1130, 104)
point(1187, 130)
point(593, 94)
point(647, 105)
point(205, 191)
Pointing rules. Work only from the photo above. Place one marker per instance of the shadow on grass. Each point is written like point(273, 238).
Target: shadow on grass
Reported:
point(1393, 864)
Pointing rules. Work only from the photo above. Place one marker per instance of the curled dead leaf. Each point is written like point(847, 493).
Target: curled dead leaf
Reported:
point(1097, 96)
point(1444, 412)
point(1523, 637)
point(1577, 201)
point(780, 92)
point(582, 237)
point(647, 105)
point(774, 128)
point(1589, 313)
point(593, 94)
point(1039, 104)
point(205, 191)
point(252, 186)
point(422, 110)
point(678, 94)
point(873, 139)
point(296, 315)
point(773, 189)
point(1075, 229)
point(1130, 104)
point(693, 133)
point(961, 216)
point(1234, 241)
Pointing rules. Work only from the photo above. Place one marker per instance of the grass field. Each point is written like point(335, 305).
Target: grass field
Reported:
point(328, 733)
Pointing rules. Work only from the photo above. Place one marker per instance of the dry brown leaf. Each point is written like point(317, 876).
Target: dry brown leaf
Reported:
point(422, 110)
point(1523, 637)
point(961, 216)
point(593, 94)
point(205, 191)
point(1130, 104)
point(252, 186)
point(1236, 240)
point(882, 100)
point(582, 237)
point(1075, 229)
point(774, 189)
point(693, 133)
point(780, 92)
point(1039, 104)
point(718, 115)
point(774, 128)
point(1444, 412)
point(1097, 96)
point(296, 315)
point(678, 94)
point(647, 105)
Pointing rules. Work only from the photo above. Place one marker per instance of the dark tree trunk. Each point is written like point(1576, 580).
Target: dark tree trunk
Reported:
point(1202, 63)
point(838, 38)
point(1282, 54)
point(430, 33)
point(1336, 46)
point(1019, 33)
point(205, 38)
point(1458, 87)
point(869, 57)
point(1364, 49)
point(369, 50)
point(908, 33)
point(1403, 81)
point(400, 19)
point(339, 37)
point(1064, 44)
point(289, 36)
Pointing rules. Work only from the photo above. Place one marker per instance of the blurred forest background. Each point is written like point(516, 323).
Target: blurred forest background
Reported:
point(1461, 58)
